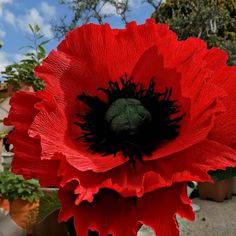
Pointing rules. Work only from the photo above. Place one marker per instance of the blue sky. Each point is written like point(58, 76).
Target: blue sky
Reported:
point(15, 15)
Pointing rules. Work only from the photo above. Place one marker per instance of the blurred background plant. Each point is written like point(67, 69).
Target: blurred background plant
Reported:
point(211, 20)
point(22, 73)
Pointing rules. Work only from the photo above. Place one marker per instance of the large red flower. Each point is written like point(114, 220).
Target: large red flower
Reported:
point(126, 119)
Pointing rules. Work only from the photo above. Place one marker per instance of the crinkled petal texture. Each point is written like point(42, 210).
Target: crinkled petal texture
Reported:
point(224, 130)
point(45, 135)
point(111, 214)
point(27, 150)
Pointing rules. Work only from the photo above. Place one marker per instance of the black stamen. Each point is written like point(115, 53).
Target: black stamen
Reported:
point(147, 133)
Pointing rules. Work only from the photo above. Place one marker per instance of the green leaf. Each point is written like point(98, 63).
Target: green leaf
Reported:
point(45, 42)
point(16, 187)
point(36, 28)
point(31, 28)
point(223, 174)
point(23, 72)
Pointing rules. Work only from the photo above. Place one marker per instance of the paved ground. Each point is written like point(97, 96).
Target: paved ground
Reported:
point(214, 219)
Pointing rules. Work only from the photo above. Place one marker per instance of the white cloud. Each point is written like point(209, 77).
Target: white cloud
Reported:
point(4, 60)
point(2, 3)
point(5, 1)
point(110, 9)
point(47, 10)
point(2, 34)
point(9, 17)
point(33, 17)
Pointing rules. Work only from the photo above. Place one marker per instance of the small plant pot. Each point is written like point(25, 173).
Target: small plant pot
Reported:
point(26, 87)
point(23, 87)
point(4, 204)
point(24, 213)
point(217, 191)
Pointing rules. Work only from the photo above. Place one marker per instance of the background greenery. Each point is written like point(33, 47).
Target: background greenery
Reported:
point(22, 73)
point(14, 187)
point(211, 20)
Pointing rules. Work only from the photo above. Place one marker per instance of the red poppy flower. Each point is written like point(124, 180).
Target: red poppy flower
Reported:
point(127, 118)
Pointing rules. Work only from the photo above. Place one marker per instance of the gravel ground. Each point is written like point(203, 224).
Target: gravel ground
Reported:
point(213, 219)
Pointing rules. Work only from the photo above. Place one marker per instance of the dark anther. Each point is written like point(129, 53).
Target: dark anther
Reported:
point(133, 119)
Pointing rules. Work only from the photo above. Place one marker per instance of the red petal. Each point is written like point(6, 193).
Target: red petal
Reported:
point(27, 151)
point(82, 65)
point(68, 72)
point(112, 214)
point(204, 97)
point(51, 126)
point(224, 130)
point(191, 164)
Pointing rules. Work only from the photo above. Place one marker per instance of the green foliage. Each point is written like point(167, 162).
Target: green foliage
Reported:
point(16, 187)
point(219, 175)
point(230, 48)
point(211, 20)
point(23, 72)
point(228, 8)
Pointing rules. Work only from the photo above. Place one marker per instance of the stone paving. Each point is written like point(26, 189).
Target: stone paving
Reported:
point(213, 219)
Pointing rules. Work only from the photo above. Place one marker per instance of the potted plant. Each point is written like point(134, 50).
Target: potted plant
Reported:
point(23, 195)
point(222, 187)
point(4, 203)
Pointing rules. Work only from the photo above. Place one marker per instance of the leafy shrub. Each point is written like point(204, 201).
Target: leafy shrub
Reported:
point(14, 187)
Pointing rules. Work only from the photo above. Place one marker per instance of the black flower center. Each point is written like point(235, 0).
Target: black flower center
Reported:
point(134, 119)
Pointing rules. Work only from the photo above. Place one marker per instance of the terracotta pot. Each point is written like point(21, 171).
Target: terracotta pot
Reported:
point(4, 91)
point(23, 87)
point(4, 204)
point(218, 191)
point(24, 213)
point(26, 87)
